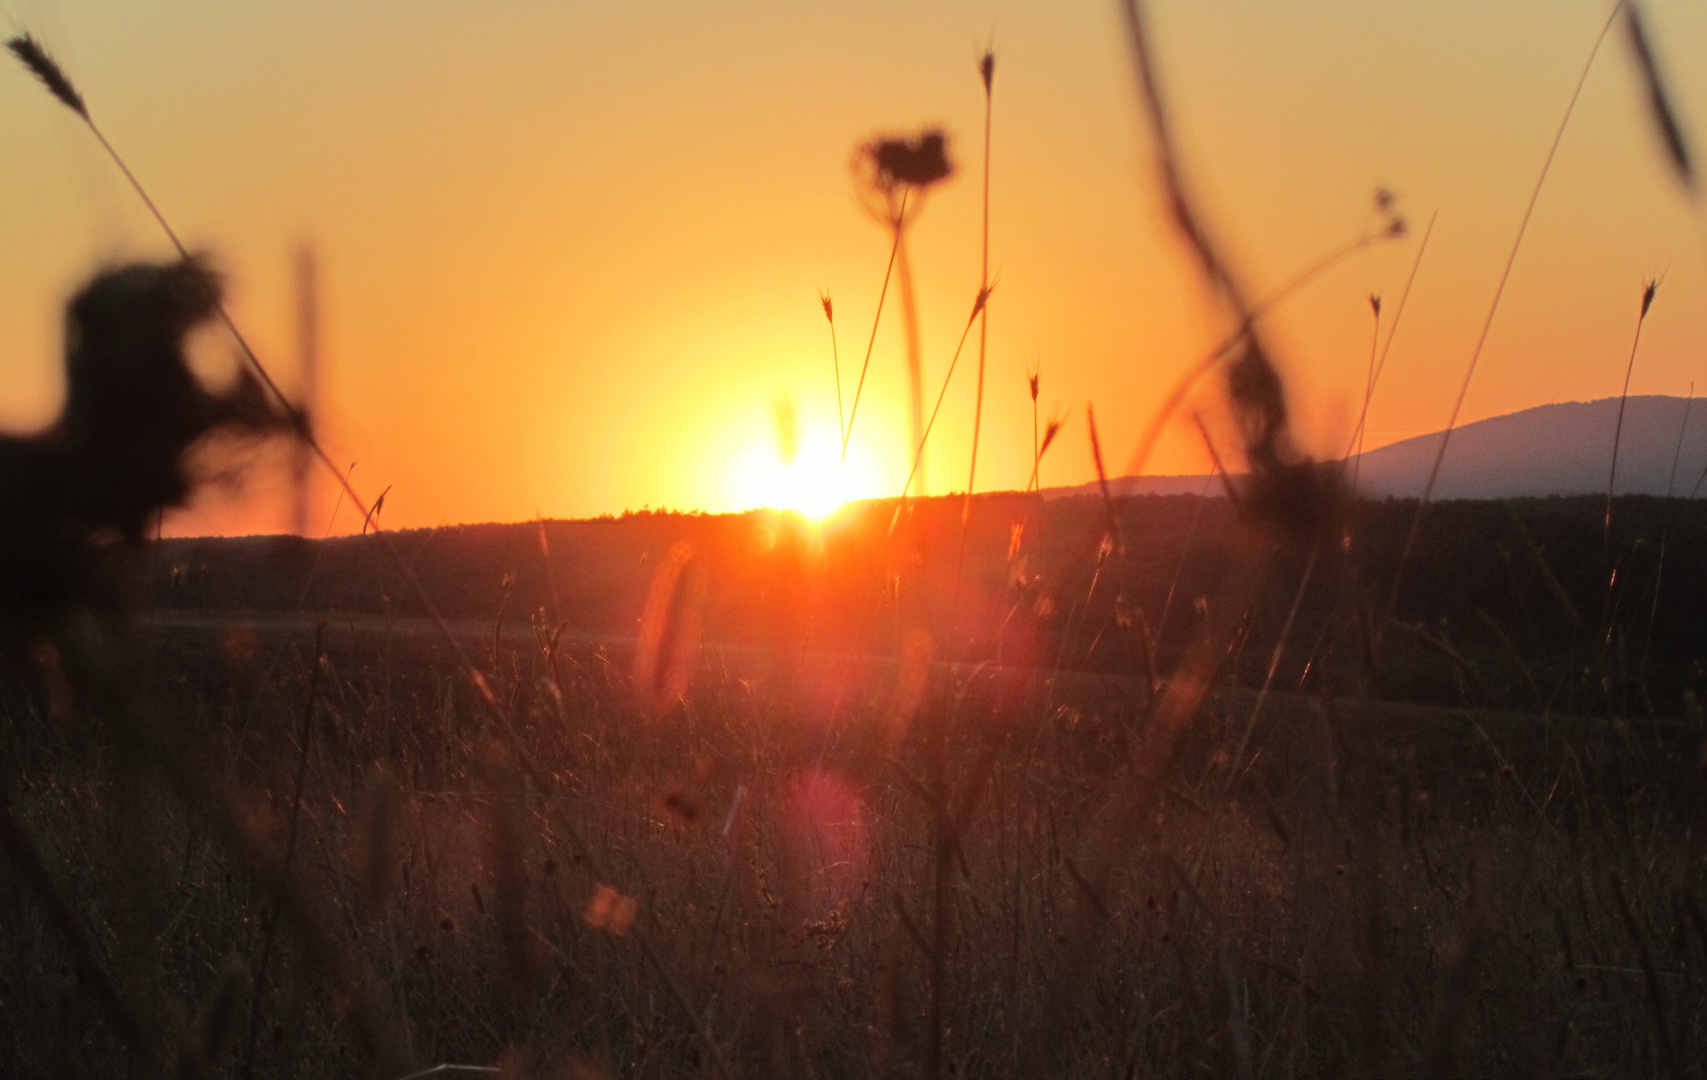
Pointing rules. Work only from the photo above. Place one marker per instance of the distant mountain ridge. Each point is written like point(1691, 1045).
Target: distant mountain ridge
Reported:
point(1559, 449)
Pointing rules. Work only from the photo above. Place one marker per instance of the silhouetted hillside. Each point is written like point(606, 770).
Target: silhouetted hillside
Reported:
point(1559, 449)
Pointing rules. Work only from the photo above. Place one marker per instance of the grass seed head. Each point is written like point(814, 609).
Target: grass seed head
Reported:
point(1648, 297)
point(45, 68)
point(987, 70)
point(983, 299)
point(1049, 433)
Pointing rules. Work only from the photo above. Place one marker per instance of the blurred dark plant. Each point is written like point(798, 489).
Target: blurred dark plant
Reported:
point(893, 175)
point(891, 167)
point(118, 455)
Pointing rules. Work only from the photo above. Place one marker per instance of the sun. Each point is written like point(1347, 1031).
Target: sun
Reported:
point(814, 483)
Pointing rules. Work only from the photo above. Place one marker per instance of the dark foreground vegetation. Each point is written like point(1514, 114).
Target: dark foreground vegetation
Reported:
point(1525, 604)
point(310, 846)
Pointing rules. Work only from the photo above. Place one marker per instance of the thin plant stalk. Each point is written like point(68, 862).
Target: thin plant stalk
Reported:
point(1665, 539)
point(942, 890)
point(1032, 378)
point(1235, 770)
point(915, 355)
point(1682, 429)
point(836, 363)
point(1493, 309)
point(919, 452)
point(1618, 427)
point(290, 848)
point(1698, 482)
point(1179, 564)
point(876, 320)
point(987, 70)
point(1368, 387)
point(1654, 603)
point(1607, 563)
point(1392, 331)
point(1034, 485)
point(1102, 478)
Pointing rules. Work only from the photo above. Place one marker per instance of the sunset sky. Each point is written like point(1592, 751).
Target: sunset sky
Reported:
point(571, 253)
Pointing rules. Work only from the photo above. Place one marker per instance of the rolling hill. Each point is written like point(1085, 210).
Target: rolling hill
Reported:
point(1559, 449)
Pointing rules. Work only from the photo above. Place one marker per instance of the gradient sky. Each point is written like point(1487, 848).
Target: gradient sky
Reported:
point(571, 252)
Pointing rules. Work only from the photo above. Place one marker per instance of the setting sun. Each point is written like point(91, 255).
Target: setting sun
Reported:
point(815, 482)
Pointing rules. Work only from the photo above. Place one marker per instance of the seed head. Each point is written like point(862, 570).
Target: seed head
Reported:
point(1375, 304)
point(987, 70)
point(983, 298)
point(1053, 429)
point(44, 67)
point(1387, 205)
point(1032, 379)
point(1648, 297)
point(829, 310)
point(918, 162)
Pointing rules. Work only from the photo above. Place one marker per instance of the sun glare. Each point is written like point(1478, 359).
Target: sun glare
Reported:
point(814, 483)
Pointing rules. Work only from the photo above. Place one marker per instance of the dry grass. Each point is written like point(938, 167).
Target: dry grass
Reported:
point(1383, 890)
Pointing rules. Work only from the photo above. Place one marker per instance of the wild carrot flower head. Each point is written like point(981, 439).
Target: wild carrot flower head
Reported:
point(889, 164)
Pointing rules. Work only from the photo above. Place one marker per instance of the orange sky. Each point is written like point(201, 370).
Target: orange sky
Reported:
point(571, 252)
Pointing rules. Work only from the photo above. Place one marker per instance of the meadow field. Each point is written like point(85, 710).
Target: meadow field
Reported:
point(826, 861)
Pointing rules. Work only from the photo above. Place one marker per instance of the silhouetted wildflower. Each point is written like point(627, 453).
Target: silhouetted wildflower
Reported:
point(888, 164)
